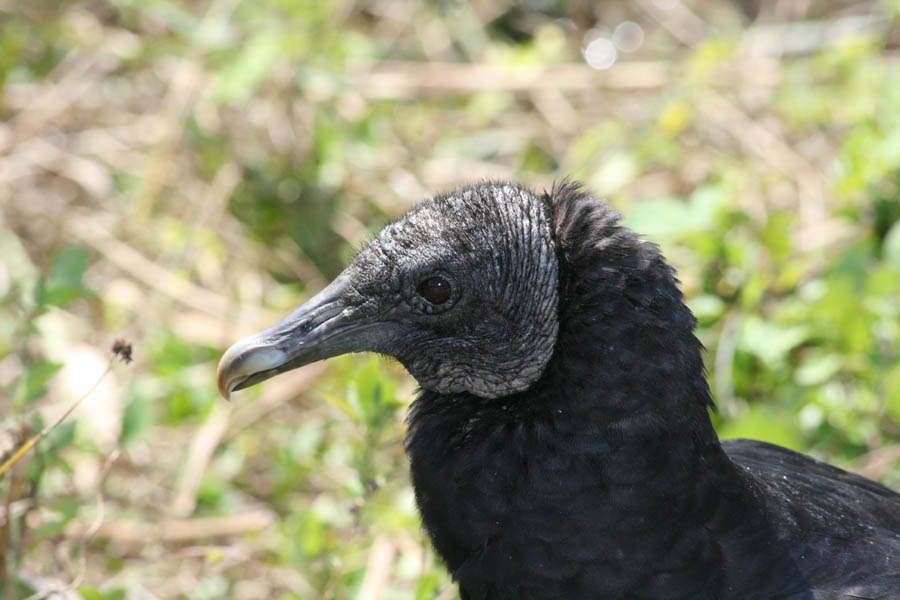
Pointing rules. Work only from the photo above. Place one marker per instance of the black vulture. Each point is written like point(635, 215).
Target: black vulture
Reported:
point(561, 445)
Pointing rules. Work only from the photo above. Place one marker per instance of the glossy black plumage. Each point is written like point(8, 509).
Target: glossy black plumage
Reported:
point(582, 464)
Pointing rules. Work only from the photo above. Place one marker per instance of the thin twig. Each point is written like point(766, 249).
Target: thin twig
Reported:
point(43, 433)
point(877, 462)
point(378, 569)
point(180, 530)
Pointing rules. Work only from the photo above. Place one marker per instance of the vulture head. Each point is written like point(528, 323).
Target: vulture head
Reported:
point(463, 291)
point(492, 289)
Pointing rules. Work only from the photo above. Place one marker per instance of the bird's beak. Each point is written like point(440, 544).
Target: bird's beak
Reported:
point(325, 326)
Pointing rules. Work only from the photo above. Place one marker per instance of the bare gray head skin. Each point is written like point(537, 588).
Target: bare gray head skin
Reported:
point(463, 291)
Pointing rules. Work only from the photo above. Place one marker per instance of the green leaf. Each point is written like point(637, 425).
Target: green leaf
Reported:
point(314, 536)
point(891, 246)
point(33, 383)
point(241, 78)
point(49, 529)
point(891, 386)
point(211, 492)
point(758, 424)
point(64, 284)
point(770, 342)
point(426, 587)
point(670, 218)
point(818, 369)
point(137, 418)
point(707, 307)
point(777, 235)
point(376, 394)
point(62, 464)
point(706, 203)
point(660, 218)
point(92, 593)
point(67, 506)
point(59, 437)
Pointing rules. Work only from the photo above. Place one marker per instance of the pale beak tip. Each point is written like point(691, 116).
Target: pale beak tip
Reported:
point(244, 359)
point(224, 391)
point(226, 384)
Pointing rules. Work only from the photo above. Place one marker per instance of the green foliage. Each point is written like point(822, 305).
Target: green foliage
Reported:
point(137, 419)
point(20, 313)
point(64, 282)
point(90, 593)
point(32, 384)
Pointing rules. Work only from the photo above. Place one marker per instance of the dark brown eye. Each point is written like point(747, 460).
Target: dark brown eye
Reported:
point(435, 289)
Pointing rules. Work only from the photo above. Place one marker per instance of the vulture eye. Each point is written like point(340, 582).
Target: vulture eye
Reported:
point(435, 289)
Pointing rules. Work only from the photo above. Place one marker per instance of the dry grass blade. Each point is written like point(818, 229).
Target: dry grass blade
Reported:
point(177, 530)
point(199, 454)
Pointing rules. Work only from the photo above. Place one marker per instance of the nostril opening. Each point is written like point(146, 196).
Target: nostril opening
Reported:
point(305, 326)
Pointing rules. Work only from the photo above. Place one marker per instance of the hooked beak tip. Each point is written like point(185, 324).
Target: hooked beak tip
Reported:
point(243, 360)
point(225, 387)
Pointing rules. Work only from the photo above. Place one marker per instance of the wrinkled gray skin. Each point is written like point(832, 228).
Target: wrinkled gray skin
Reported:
point(493, 337)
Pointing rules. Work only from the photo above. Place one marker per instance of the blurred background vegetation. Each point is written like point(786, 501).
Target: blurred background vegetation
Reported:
point(181, 174)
